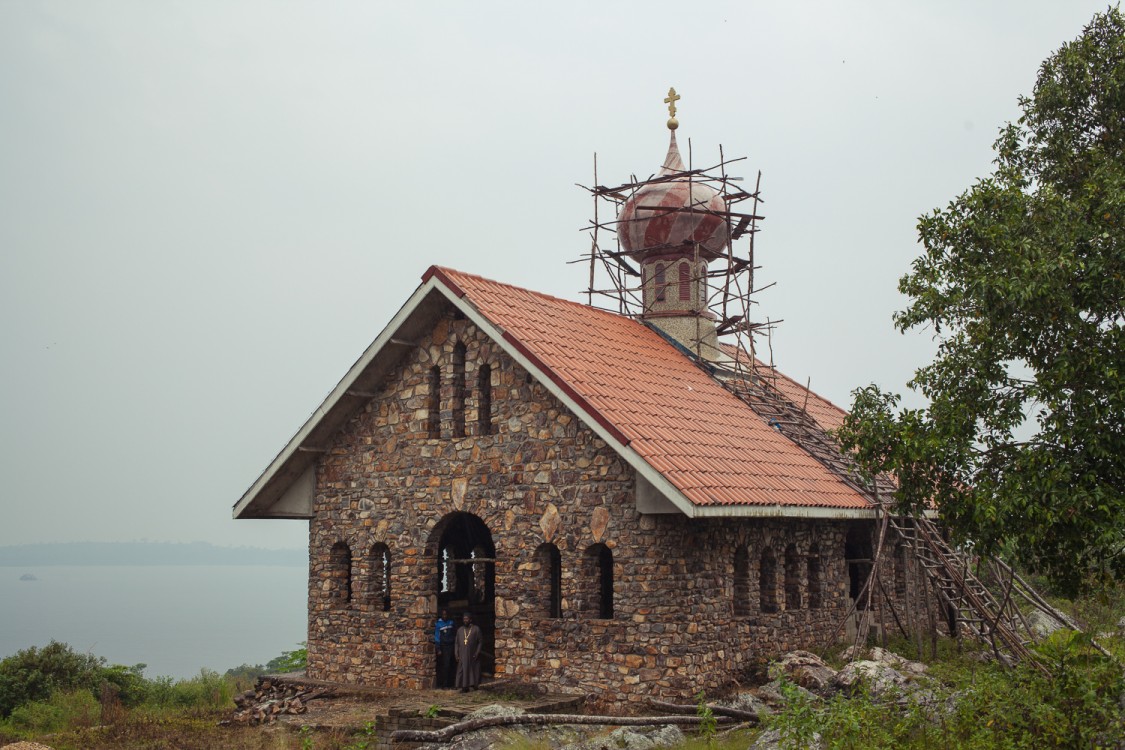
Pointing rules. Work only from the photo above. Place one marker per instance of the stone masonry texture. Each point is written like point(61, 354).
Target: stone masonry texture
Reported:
point(541, 477)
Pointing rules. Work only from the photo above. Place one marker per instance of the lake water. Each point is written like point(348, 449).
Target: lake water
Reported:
point(175, 619)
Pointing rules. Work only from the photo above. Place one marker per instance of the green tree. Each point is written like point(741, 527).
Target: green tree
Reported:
point(1022, 281)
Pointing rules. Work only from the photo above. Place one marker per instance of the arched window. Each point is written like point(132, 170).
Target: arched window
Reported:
point(550, 578)
point(340, 573)
point(741, 582)
point(792, 578)
point(685, 281)
point(661, 283)
point(433, 416)
point(599, 574)
point(380, 583)
point(767, 581)
point(458, 393)
point(816, 579)
point(484, 400)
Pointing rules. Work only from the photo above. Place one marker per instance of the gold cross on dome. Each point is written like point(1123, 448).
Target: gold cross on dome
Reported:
point(671, 100)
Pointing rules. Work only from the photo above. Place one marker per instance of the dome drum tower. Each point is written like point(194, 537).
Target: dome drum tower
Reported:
point(675, 266)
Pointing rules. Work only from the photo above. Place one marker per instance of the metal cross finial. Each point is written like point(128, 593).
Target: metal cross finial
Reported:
point(671, 100)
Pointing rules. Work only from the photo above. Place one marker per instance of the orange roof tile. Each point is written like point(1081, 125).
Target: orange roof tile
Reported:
point(710, 445)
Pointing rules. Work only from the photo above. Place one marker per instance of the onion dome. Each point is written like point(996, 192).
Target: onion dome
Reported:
point(670, 216)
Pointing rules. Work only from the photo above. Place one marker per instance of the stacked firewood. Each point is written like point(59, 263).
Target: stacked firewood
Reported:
point(270, 700)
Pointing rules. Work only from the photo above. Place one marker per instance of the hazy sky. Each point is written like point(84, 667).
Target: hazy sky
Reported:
point(209, 209)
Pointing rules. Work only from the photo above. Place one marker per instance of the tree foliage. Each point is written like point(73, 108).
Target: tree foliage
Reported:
point(1022, 281)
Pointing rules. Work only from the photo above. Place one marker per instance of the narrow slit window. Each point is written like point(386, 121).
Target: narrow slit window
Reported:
point(433, 417)
point(550, 571)
point(816, 579)
point(458, 396)
point(685, 282)
point(605, 582)
point(900, 570)
point(596, 598)
point(792, 578)
point(741, 582)
point(381, 577)
point(340, 573)
point(767, 582)
point(661, 283)
point(484, 400)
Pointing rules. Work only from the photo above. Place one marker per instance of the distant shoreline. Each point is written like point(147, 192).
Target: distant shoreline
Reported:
point(145, 554)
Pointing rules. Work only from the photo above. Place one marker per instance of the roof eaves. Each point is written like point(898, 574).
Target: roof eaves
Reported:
point(300, 451)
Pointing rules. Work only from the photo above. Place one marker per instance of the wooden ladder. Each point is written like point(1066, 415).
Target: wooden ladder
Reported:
point(990, 615)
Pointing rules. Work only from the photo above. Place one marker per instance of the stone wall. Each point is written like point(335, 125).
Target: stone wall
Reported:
point(535, 476)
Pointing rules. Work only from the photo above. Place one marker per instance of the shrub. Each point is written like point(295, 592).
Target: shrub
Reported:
point(130, 683)
point(63, 710)
point(35, 673)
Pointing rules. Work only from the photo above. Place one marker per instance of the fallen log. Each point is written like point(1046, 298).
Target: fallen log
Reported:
point(442, 735)
point(734, 713)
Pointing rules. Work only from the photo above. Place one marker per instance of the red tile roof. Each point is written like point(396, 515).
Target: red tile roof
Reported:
point(644, 391)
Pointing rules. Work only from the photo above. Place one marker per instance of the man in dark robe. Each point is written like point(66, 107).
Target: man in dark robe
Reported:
point(467, 652)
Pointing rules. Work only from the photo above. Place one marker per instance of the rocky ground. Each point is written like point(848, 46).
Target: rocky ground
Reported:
point(799, 674)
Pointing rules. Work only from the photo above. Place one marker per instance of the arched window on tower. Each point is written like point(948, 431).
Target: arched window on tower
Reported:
point(433, 416)
point(484, 400)
point(380, 583)
point(458, 393)
point(741, 582)
point(767, 581)
point(661, 283)
point(816, 578)
point(340, 573)
point(550, 578)
point(792, 578)
point(685, 281)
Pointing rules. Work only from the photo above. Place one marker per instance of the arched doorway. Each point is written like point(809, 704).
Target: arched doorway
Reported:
point(465, 578)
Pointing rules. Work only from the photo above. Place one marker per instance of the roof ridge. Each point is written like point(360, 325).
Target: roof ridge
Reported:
point(447, 271)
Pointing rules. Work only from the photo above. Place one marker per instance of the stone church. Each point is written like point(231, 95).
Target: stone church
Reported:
point(618, 520)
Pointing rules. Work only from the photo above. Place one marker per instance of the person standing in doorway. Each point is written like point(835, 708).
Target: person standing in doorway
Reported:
point(467, 653)
point(444, 645)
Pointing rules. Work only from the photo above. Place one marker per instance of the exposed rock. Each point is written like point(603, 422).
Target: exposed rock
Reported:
point(494, 709)
point(772, 695)
point(747, 702)
point(1043, 625)
point(633, 738)
point(878, 678)
point(902, 664)
point(805, 669)
point(771, 740)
